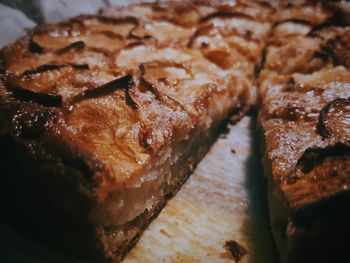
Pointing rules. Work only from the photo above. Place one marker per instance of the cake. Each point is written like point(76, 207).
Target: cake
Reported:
point(305, 111)
point(104, 116)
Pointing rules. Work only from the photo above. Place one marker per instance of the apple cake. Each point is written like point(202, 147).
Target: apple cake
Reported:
point(304, 97)
point(104, 116)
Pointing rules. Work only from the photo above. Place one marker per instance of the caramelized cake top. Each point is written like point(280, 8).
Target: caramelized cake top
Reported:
point(118, 88)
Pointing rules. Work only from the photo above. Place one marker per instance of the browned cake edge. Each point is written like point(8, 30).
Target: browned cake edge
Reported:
point(318, 232)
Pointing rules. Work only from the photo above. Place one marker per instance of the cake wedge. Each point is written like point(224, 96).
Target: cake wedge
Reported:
point(304, 116)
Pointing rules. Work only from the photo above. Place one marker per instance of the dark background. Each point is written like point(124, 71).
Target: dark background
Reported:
point(30, 9)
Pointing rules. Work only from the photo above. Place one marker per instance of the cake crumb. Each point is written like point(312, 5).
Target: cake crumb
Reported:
point(236, 249)
point(233, 151)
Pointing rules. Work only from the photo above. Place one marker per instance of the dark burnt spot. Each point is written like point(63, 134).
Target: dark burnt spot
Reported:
point(125, 82)
point(118, 20)
point(331, 116)
point(80, 66)
point(42, 68)
point(225, 14)
point(321, 54)
point(78, 45)
point(50, 67)
point(315, 156)
point(34, 47)
point(45, 99)
point(321, 125)
point(260, 65)
point(237, 250)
